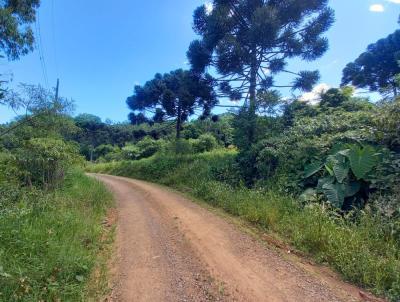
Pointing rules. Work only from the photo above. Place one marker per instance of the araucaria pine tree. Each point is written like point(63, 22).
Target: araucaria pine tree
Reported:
point(175, 95)
point(249, 42)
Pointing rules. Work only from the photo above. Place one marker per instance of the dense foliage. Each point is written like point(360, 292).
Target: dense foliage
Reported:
point(16, 18)
point(50, 213)
point(16, 34)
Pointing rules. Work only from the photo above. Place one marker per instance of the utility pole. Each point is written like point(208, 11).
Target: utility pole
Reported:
point(57, 87)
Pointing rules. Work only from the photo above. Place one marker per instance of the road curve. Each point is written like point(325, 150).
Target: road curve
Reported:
point(171, 249)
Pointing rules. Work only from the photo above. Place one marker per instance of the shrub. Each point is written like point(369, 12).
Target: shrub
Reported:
point(205, 143)
point(43, 161)
point(105, 149)
point(179, 147)
point(130, 152)
point(148, 147)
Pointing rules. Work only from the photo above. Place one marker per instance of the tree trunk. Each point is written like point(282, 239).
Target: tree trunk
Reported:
point(179, 122)
point(252, 96)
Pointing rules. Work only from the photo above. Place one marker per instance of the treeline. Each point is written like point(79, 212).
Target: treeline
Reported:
point(100, 141)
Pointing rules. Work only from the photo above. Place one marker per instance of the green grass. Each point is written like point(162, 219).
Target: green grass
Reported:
point(50, 242)
point(363, 249)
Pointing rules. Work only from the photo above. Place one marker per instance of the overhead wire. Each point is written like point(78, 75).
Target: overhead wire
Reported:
point(39, 46)
point(54, 36)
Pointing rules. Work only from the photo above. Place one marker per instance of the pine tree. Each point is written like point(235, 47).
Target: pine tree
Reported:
point(378, 68)
point(249, 42)
point(176, 95)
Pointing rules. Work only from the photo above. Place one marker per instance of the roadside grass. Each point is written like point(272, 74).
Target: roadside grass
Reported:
point(362, 248)
point(51, 242)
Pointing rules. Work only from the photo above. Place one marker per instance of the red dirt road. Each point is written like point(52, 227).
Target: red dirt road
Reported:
point(171, 249)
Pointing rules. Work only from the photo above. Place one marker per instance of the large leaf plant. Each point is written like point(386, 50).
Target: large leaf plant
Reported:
point(345, 174)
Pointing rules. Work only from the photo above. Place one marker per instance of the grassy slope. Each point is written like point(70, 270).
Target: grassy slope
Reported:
point(363, 252)
point(50, 243)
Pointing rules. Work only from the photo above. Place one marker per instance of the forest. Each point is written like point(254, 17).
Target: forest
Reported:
point(320, 176)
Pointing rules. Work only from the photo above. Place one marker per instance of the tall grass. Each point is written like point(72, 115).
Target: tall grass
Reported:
point(362, 248)
point(49, 241)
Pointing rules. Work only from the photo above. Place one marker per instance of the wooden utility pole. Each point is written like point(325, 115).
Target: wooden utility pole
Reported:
point(57, 87)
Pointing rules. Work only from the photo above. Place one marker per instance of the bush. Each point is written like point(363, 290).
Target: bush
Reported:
point(179, 147)
point(387, 124)
point(43, 162)
point(148, 147)
point(130, 152)
point(205, 143)
point(103, 150)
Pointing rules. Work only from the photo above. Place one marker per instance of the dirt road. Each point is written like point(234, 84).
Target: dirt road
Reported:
point(171, 249)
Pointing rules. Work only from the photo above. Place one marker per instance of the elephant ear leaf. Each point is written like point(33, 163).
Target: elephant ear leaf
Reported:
point(323, 181)
point(352, 188)
point(335, 193)
point(341, 168)
point(312, 169)
point(362, 160)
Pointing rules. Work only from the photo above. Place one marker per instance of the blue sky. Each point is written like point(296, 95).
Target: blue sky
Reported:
point(101, 49)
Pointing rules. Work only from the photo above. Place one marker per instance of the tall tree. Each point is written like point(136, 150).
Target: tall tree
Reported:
point(175, 95)
point(249, 42)
point(16, 35)
point(377, 68)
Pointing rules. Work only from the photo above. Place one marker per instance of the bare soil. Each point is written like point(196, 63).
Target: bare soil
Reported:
point(172, 249)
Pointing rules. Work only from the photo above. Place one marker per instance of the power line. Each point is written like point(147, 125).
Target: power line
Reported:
point(54, 35)
point(39, 46)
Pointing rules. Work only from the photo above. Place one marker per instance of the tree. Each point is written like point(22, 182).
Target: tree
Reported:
point(377, 68)
point(334, 97)
point(137, 119)
point(176, 95)
point(249, 42)
point(41, 108)
point(88, 121)
point(16, 35)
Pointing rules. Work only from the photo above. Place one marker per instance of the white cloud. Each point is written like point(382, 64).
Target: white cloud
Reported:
point(394, 1)
point(377, 8)
point(266, 70)
point(314, 97)
point(209, 7)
